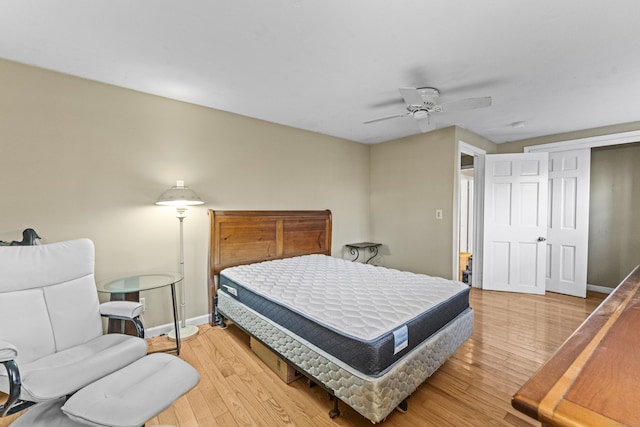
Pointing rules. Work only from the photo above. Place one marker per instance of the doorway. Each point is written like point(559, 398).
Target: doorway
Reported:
point(466, 224)
point(468, 230)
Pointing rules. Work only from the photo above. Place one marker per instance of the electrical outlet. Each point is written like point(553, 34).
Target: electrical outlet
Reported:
point(144, 304)
point(438, 213)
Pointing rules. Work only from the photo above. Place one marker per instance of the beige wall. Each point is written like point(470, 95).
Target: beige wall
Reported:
point(614, 232)
point(476, 140)
point(410, 179)
point(84, 159)
point(614, 224)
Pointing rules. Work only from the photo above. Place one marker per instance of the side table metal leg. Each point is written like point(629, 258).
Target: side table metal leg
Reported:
point(175, 317)
point(374, 253)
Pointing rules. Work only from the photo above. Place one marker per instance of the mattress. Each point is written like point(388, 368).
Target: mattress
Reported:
point(365, 316)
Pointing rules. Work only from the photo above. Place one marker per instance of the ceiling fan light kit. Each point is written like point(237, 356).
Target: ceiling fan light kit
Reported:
point(421, 114)
point(421, 102)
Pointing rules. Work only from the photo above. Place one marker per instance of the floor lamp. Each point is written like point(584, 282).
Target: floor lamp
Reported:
point(181, 197)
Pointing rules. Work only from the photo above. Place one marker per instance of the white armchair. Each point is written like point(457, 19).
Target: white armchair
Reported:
point(51, 333)
point(56, 356)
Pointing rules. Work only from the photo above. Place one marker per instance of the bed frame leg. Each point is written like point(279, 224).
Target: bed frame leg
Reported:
point(335, 411)
point(218, 320)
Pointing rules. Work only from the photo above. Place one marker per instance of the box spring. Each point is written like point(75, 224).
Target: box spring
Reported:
point(372, 397)
point(368, 317)
point(369, 334)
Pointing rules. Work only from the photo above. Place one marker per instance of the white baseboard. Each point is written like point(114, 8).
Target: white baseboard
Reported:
point(601, 289)
point(164, 329)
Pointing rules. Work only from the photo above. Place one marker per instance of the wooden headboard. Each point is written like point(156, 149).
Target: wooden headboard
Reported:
point(245, 237)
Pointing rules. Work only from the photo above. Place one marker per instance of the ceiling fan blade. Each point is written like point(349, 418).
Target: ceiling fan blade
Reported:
point(411, 96)
point(466, 104)
point(379, 119)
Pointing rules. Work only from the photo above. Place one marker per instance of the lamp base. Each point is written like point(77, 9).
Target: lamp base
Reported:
point(186, 333)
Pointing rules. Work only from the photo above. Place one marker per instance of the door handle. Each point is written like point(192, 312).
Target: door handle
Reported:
point(541, 239)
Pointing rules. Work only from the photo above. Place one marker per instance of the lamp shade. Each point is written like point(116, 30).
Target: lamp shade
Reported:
point(179, 196)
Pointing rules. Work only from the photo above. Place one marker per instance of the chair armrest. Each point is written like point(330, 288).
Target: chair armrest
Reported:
point(121, 309)
point(8, 351)
point(127, 310)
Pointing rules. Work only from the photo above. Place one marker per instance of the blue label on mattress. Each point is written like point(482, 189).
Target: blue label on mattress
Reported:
point(400, 339)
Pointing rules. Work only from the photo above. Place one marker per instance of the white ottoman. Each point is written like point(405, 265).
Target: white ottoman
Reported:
point(126, 398)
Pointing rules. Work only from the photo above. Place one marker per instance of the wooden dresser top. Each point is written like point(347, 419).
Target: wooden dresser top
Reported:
point(594, 377)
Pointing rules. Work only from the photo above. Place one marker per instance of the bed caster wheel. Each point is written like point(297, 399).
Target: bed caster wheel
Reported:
point(403, 407)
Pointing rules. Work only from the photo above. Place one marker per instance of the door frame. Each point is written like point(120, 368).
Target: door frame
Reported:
point(588, 142)
point(478, 212)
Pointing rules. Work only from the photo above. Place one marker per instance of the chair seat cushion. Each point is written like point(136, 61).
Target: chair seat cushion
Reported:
point(63, 373)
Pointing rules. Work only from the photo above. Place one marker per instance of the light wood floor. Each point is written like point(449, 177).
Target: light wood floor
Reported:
point(514, 334)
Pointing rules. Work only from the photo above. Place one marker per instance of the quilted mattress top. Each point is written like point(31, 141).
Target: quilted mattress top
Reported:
point(354, 299)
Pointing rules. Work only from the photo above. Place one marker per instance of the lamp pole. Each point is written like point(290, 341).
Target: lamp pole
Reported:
point(180, 197)
point(183, 293)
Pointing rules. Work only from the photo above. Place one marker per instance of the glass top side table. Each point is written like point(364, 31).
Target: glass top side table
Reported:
point(146, 282)
point(137, 283)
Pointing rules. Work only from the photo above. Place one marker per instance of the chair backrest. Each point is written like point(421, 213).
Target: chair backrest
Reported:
point(48, 297)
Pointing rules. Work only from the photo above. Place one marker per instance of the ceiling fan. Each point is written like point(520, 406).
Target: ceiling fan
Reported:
point(422, 102)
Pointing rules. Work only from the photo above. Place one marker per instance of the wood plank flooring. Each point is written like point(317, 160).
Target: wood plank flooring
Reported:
point(513, 335)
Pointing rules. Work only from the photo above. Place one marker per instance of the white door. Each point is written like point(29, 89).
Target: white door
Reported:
point(568, 227)
point(515, 222)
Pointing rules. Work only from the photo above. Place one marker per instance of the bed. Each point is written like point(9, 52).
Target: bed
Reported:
point(369, 335)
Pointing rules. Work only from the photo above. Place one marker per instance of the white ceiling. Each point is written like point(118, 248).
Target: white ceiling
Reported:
point(329, 65)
